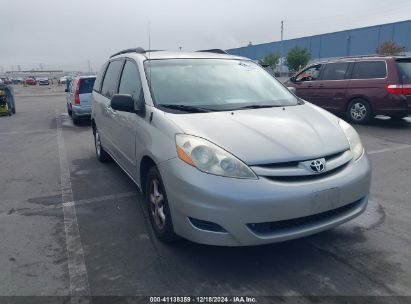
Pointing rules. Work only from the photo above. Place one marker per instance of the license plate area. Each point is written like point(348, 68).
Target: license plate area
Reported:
point(325, 200)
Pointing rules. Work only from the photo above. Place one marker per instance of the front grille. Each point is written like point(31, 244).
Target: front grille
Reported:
point(205, 225)
point(304, 178)
point(295, 163)
point(283, 226)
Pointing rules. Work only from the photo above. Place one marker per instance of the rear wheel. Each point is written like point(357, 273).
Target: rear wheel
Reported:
point(69, 110)
point(101, 154)
point(359, 111)
point(158, 208)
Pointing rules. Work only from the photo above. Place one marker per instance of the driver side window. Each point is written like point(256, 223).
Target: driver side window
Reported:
point(310, 74)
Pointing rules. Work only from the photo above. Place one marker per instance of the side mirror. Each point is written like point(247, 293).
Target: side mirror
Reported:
point(293, 79)
point(292, 90)
point(122, 102)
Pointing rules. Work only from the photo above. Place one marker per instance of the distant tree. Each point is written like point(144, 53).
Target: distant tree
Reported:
point(390, 48)
point(296, 58)
point(270, 60)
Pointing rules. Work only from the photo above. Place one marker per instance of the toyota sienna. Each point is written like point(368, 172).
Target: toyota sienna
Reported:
point(223, 153)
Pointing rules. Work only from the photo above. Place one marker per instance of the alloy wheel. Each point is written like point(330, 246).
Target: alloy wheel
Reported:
point(358, 111)
point(98, 144)
point(156, 199)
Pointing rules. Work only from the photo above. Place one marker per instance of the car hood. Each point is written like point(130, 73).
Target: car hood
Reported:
point(269, 135)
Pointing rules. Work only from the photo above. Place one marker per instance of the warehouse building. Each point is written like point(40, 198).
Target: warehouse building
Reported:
point(360, 41)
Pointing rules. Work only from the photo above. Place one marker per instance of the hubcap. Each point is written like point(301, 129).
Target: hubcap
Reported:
point(156, 198)
point(358, 111)
point(98, 143)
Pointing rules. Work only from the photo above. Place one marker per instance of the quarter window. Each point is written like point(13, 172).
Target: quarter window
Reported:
point(369, 70)
point(130, 81)
point(110, 79)
point(100, 75)
point(335, 71)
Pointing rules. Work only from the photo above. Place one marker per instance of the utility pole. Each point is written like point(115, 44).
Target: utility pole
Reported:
point(282, 47)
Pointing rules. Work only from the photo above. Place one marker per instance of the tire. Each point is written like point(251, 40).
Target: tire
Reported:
point(359, 111)
point(69, 110)
point(76, 120)
point(158, 208)
point(101, 154)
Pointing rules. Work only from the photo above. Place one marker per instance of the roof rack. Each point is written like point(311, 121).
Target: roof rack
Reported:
point(138, 50)
point(363, 56)
point(217, 51)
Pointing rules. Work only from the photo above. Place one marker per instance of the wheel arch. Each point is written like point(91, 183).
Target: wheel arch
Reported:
point(358, 96)
point(93, 126)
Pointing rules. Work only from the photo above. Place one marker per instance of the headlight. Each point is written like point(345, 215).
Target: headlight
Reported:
point(354, 140)
point(209, 158)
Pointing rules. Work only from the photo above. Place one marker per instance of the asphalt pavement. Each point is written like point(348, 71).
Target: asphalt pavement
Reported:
point(72, 225)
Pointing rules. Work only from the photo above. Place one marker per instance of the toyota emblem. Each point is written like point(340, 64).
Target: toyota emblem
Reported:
point(317, 165)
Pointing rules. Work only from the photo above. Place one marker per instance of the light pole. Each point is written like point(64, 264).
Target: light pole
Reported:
point(282, 47)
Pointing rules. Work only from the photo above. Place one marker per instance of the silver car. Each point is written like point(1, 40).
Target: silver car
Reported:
point(78, 97)
point(223, 153)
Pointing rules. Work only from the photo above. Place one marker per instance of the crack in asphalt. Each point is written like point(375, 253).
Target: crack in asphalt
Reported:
point(37, 210)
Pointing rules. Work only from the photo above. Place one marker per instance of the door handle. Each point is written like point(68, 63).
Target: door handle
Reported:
point(310, 86)
point(321, 85)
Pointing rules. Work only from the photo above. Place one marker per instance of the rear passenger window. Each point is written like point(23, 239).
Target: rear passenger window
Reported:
point(110, 79)
point(335, 71)
point(369, 69)
point(130, 81)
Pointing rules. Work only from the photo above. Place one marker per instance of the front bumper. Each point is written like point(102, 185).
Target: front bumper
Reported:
point(234, 204)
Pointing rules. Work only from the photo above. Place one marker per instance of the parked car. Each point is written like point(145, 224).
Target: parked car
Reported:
point(224, 154)
point(359, 87)
point(30, 81)
point(78, 97)
point(7, 81)
point(44, 81)
point(17, 80)
point(64, 79)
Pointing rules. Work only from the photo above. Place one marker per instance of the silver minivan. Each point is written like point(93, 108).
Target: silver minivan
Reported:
point(78, 97)
point(223, 153)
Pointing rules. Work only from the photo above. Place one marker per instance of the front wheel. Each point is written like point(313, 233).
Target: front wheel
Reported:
point(359, 111)
point(101, 154)
point(159, 211)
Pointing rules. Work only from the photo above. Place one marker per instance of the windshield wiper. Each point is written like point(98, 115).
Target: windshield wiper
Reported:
point(257, 107)
point(185, 108)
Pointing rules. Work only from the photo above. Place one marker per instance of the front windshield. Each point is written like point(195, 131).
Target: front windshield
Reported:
point(215, 84)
